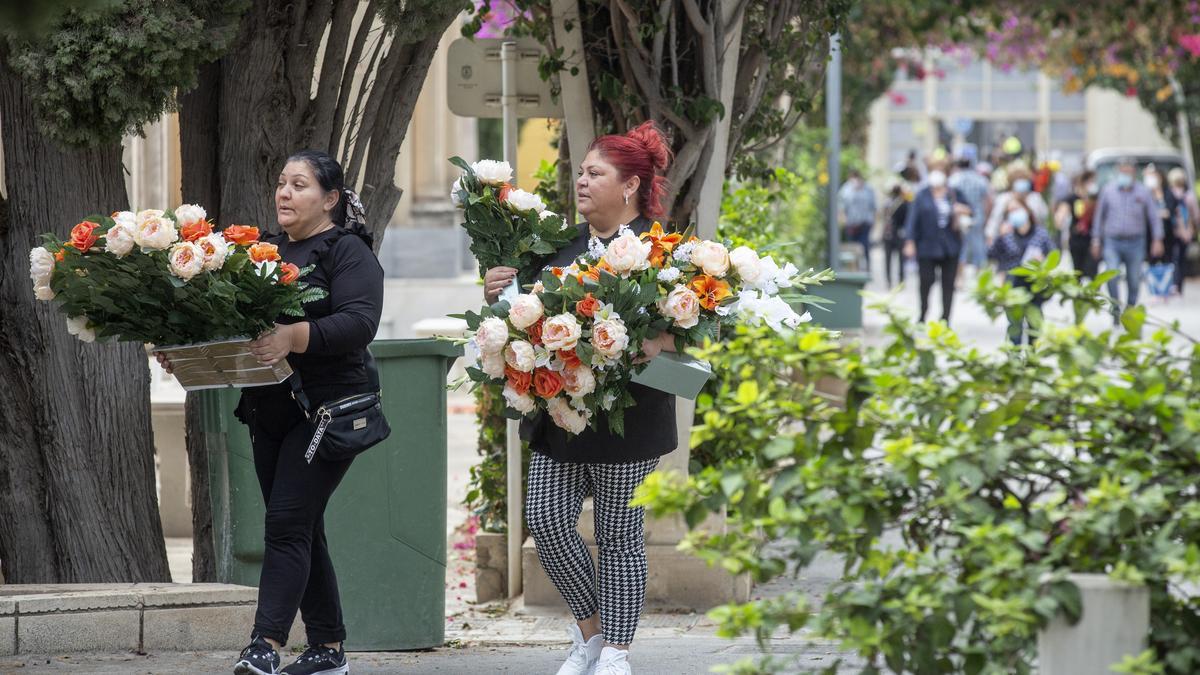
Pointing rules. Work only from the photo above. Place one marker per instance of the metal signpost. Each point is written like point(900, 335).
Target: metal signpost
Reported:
point(833, 123)
point(475, 68)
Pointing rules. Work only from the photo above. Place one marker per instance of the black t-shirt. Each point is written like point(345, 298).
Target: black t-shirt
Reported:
point(649, 424)
point(344, 322)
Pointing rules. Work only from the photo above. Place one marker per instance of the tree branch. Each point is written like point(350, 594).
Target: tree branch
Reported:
point(332, 80)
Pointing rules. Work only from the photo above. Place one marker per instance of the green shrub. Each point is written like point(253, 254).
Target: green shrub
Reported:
point(959, 487)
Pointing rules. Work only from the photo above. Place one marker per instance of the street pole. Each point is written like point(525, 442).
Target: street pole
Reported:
point(508, 105)
point(833, 123)
point(1185, 132)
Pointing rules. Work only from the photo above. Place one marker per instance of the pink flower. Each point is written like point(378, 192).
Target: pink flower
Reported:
point(1191, 43)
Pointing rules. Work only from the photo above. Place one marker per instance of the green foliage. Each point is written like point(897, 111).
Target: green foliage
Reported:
point(958, 487)
point(105, 72)
point(548, 187)
point(488, 486)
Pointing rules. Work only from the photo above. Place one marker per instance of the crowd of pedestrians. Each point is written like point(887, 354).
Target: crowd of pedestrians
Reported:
point(946, 218)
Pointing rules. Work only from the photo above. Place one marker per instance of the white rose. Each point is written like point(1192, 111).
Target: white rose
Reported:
point(81, 328)
point(747, 264)
point(711, 257)
point(610, 338)
point(154, 232)
point(186, 260)
point(561, 332)
point(773, 278)
point(522, 403)
point(519, 355)
point(455, 197)
point(681, 305)
point(216, 249)
point(564, 416)
point(119, 239)
point(755, 307)
point(189, 213)
point(492, 364)
point(492, 335)
point(43, 293)
point(539, 287)
point(41, 266)
point(492, 172)
point(525, 311)
point(127, 218)
point(627, 254)
point(579, 381)
point(520, 200)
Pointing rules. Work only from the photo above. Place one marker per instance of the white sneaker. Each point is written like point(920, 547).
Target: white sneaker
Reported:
point(613, 661)
point(582, 658)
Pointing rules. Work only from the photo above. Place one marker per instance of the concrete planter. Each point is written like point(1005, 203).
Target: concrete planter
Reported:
point(1114, 624)
point(491, 566)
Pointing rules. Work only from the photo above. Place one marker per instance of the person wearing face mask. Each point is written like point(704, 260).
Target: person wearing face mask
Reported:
point(934, 236)
point(1074, 216)
point(857, 208)
point(1182, 202)
point(1020, 187)
point(1125, 211)
point(1020, 239)
point(976, 190)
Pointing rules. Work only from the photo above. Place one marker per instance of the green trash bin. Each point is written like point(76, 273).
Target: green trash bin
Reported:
point(386, 523)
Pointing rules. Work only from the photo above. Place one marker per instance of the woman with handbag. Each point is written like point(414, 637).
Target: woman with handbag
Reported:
point(619, 186)
point(323, 226)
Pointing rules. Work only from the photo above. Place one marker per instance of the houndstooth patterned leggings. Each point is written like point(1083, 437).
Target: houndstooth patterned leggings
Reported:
point(555, 499)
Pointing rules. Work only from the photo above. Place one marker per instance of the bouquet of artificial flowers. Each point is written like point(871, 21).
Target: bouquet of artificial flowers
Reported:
point(570, 346)
point(165, 277)
point(508, 226)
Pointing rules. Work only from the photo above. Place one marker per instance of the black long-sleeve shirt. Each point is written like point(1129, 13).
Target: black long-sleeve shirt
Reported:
point(343, 323)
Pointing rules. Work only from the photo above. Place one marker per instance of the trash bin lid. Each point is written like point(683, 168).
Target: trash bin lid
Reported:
point(389, 349)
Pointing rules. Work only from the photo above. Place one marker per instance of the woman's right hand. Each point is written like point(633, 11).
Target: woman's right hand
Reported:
point(165, 363)
point(910, 249)
point(497, 279)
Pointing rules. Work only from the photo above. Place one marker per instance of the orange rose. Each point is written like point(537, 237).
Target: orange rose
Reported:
point(557, 271)
point(196, 229)
point(569, 358)
point(547, 383)
point(587, 306)
point(520, 381)
point(83, 236)
point(535, 332)
point(60, 255)
point(288, 273)
point(503, 194)
point(243, 235)
point(264, 252)
point(711, 291)
point(661, 244)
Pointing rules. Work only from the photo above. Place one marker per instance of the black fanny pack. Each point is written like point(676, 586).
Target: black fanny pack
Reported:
point(347, 426)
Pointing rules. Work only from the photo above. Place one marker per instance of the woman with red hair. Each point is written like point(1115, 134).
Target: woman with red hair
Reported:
point(620, 187)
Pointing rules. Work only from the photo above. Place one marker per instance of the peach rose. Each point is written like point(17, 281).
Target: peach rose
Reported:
point(565, 416)
point(610, 338)
point(681, 305)
point(519, 355)
point(186, 260)
point(525, 311)
point(627, 253)
point(492, 335)
point(711, 257)
point(263, 252)
point(522, 402)
point(195, 230)
point(492, 364)
point(579, 381)
point(561, 332)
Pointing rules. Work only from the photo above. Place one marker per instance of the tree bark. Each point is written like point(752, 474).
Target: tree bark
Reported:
point(199, 139)
point(77, 495)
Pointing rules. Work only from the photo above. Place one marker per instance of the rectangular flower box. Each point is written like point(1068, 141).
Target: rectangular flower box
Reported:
point(676, 374)
point(224, 363)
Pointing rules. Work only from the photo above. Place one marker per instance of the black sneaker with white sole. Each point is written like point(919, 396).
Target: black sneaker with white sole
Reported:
point(258, 658)
point(319, 660)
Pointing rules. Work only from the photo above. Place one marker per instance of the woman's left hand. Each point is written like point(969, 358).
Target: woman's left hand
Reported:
point(655, 346)
point(274, 345)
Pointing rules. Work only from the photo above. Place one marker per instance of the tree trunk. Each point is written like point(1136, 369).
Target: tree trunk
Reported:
point(199, 138)
point(77, 486)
